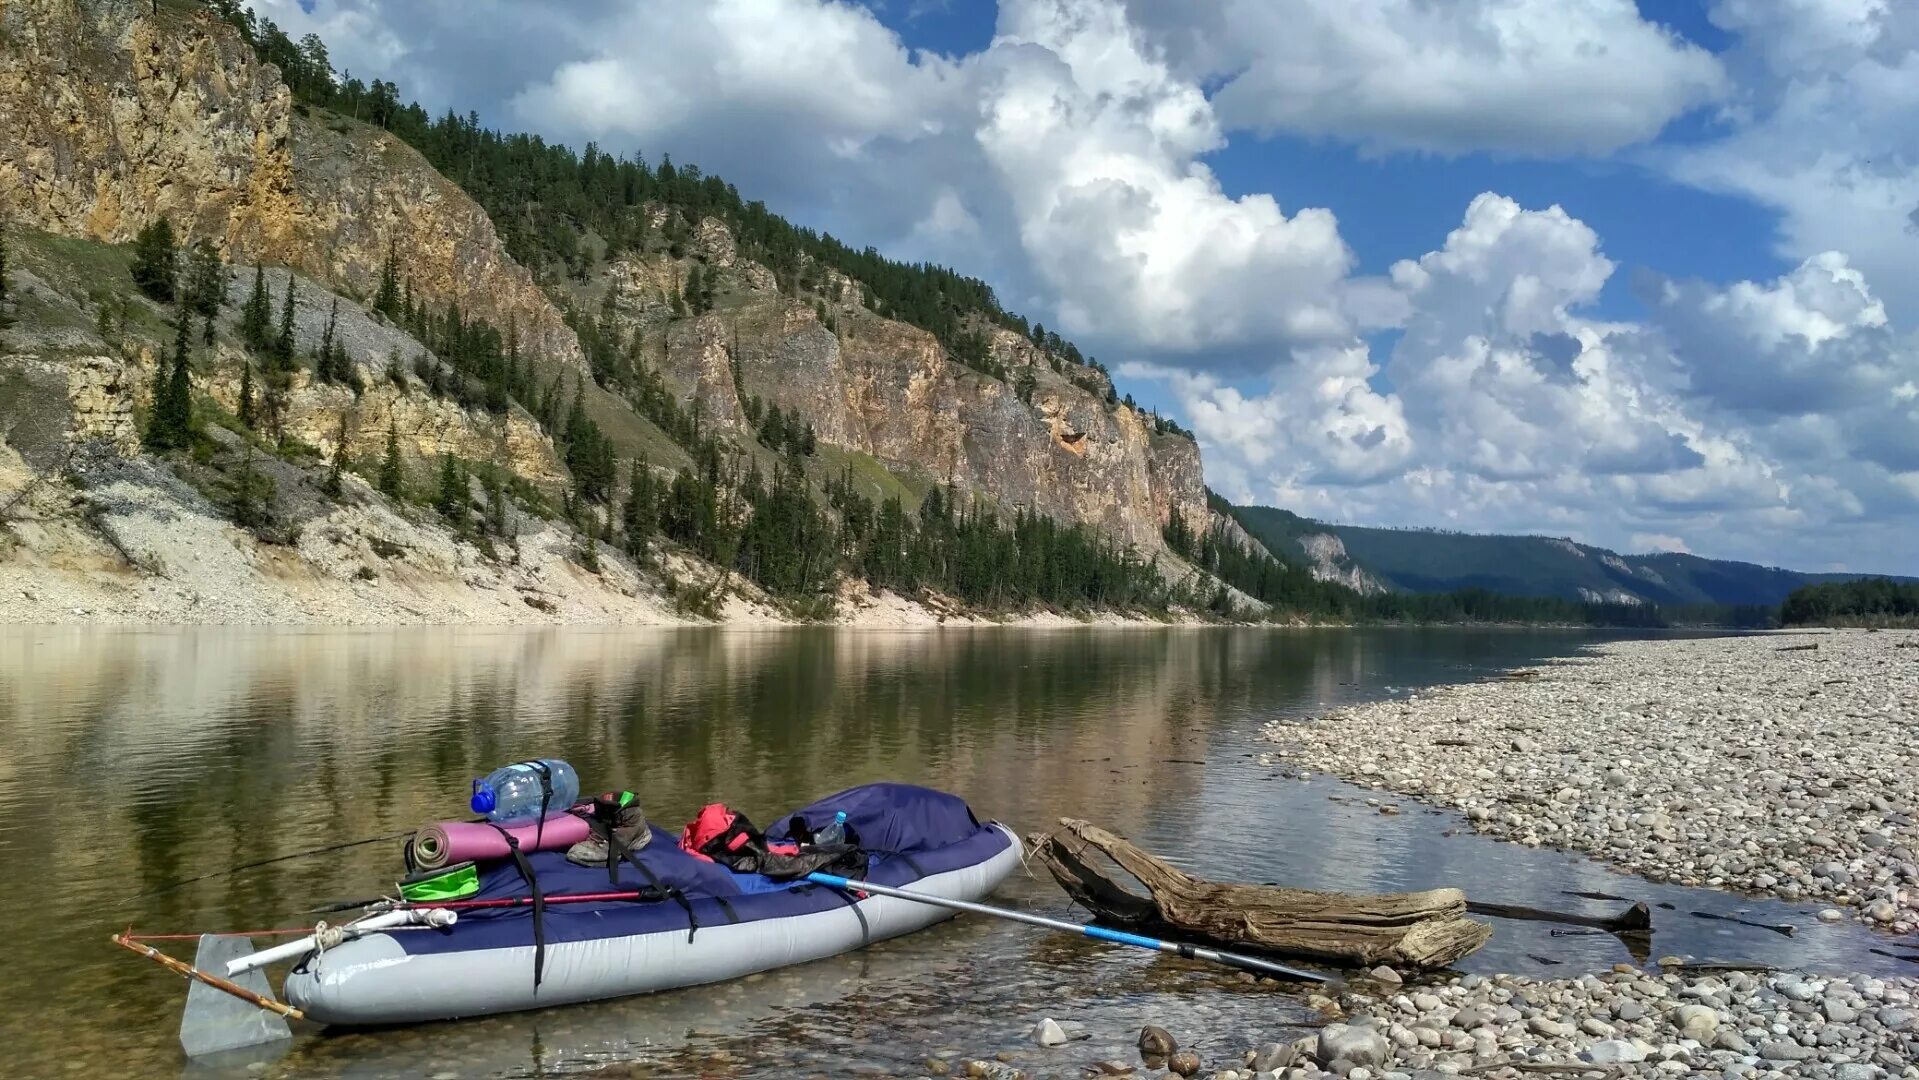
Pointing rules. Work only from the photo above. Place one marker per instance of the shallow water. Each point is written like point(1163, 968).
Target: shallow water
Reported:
point(137, 758)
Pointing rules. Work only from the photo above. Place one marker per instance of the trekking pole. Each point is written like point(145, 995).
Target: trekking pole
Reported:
point(1097, 933)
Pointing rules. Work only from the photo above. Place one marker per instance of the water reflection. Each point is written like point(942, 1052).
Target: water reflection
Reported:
point(138, 758)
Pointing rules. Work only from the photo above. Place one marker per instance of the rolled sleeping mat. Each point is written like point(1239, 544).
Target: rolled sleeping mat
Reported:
point(446, 842)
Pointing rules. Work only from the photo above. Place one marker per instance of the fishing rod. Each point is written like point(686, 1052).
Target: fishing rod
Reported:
point(1097, 933)
point(157, 890)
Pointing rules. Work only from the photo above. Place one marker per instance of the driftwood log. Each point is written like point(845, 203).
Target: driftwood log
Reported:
point(1413, 930)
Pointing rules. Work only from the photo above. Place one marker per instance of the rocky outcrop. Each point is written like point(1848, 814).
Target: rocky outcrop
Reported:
point(887, 389)
point(100, 398)
point(1329, 562)
point(115, 116)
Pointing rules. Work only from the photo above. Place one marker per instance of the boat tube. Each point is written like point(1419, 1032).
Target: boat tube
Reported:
point(721, 925)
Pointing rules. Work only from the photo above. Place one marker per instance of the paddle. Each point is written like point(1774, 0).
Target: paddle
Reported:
point(1097, 933)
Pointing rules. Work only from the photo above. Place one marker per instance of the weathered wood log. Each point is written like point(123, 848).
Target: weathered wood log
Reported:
point(1413, 930)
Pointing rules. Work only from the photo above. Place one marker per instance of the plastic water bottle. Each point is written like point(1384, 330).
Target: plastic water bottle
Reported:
point(514, 792)
point(834, 832)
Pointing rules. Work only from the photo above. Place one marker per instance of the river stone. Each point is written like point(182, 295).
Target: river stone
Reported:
point(1271, 1057)
point(1896, 1019)
point(1613, 1052)
point(1830, 915)
point(1696, 1021)
point(1628, 1010)
point(1048, 1033)
point(1352, 1044)
point(1595, 1027)
point(1427, 1003)
point(1386, 975)
point(1185, 1063)
point(1853, 1070)
point(1838, 1011)
point(1156, 1042)
point(1552, 1029)
point(1781, 1050)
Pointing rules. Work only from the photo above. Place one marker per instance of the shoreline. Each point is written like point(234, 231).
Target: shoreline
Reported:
point(1773, 764)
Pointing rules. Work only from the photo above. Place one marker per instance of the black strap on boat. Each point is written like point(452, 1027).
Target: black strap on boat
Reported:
point(727, 906)
point(539, 902)
point(546, 798)
point(854, 903)
point(671, 893)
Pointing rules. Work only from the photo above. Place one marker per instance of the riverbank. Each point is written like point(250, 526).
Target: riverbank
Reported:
point(137, 547)
point(1782, 764)
point(1625, 1022)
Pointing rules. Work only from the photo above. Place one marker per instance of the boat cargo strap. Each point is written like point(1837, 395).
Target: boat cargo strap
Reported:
point(539, 902)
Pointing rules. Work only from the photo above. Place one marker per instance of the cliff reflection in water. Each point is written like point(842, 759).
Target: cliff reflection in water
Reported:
point(139, 758)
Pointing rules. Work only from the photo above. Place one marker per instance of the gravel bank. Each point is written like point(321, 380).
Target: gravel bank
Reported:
point(1784, 764)
point(1624, 1023)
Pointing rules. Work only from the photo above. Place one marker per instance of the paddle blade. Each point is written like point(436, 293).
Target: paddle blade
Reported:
point(216, 1021)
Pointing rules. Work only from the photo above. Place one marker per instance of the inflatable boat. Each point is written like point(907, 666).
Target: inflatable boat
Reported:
point(696, 921)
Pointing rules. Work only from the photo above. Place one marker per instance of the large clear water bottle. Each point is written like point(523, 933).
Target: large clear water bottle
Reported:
point(514, 793)
point(834, 832)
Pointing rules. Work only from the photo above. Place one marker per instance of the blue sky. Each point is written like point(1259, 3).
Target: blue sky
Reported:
point(1644, 275)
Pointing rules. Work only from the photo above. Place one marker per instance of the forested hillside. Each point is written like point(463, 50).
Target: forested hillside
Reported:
point(1429, 561)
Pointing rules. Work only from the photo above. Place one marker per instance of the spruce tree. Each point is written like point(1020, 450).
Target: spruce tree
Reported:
point(392, 476)
point(248, 413)
point(256, 318)
point(387, 300)
point(171, 425)
point(641, 513)
point(156, 262)
point(694, 288)
point(324, 364)
point(249, 495)
point(452, 498)
point(206, 281)
point(283, 341)
point(335, 475)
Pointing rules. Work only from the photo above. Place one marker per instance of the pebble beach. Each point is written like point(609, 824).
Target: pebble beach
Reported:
point(1777, 764)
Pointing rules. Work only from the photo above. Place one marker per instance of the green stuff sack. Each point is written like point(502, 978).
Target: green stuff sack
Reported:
point(454, 882)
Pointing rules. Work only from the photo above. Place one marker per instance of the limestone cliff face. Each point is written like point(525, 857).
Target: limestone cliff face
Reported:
point(114, 117)
point(887, 389)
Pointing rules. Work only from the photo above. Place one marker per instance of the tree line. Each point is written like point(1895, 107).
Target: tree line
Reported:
point(1862, 602)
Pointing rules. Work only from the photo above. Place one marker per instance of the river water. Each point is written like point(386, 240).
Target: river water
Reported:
point(133, 759)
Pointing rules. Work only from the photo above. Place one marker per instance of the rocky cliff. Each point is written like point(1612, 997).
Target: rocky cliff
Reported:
point(115, 115)
point(890, 390)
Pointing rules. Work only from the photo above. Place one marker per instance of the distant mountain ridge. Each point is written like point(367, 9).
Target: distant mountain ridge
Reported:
point(1428, 561)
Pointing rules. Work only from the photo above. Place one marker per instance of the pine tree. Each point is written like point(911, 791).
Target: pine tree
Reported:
point(387, 300)
point(155, 261)
point(695, 287)
point(495, 501)
point(248, 413)
point(335, 475)
point(171, 425)
point(249, 495)
point(326, 363)
point(452, 500)
point(256, 317)
point(283, 341)
point(392, 476)
point(206, 281)
point(641, 513)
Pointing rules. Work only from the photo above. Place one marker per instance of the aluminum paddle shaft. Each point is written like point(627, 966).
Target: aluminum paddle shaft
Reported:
point(1097, 933)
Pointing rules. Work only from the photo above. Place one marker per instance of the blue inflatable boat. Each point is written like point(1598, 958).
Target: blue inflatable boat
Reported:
point(716, 925)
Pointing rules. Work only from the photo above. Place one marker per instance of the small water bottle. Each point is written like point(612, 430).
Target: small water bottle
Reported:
point(834, 832)
point(514, 793)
